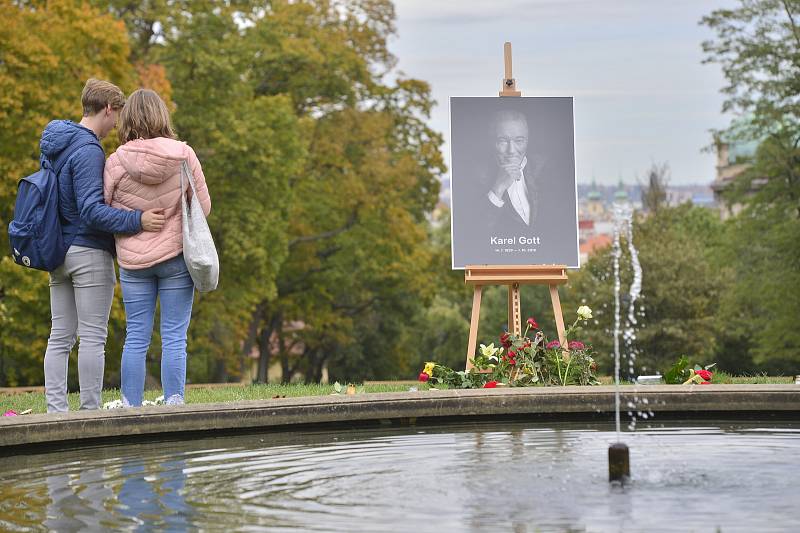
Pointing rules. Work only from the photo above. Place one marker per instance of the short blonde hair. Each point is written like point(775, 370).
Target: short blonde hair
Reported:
point(97, 94)
point(145, 116)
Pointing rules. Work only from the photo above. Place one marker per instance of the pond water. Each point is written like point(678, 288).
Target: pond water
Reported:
point(509, 476)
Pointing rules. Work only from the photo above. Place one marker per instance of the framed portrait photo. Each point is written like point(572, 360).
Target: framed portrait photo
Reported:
point(513, 186)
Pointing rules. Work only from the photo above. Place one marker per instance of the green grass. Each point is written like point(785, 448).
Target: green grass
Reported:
point(723, 378)
point(756, 379)
point(222, 394)
point(36, 400)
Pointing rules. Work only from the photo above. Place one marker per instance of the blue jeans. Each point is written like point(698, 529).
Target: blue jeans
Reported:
point(169, 281)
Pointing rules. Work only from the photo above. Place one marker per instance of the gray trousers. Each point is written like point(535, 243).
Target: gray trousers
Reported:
point(81, 292)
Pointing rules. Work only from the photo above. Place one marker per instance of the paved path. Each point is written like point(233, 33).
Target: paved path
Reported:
point(68, 429)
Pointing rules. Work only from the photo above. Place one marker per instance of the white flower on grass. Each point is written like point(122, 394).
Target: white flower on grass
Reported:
point(584, 312)
point(113, 404)
point(158, 401)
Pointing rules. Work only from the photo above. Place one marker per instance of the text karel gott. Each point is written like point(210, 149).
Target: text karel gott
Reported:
point(521, 239)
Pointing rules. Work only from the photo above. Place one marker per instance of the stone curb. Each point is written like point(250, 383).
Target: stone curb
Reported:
point(150, 422)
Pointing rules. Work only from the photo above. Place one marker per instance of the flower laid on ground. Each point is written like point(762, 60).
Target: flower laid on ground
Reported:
point(427, 372)
point(701, 377)
point(529, 359)
point(113, 404)
point(705, 374)
point(119, 404)
point(158, 401)
point(681, 373)
point(348, 389)
point(10, 412)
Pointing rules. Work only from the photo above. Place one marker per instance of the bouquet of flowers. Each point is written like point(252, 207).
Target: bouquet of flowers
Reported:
point(681, 372)
point(524, 360)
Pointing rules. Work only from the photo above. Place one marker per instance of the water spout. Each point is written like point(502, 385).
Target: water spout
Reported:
point(619, 465)
point(618, 457)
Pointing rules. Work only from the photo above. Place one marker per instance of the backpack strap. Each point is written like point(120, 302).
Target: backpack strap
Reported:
point(66, 154)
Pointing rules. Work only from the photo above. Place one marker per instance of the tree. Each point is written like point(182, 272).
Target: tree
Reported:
point(681, 288)
point(357, 258)
point(654, 196)
point(322, 174)
point(41, 77)
point(758, 46)
point(327, 225)
point(756, 317)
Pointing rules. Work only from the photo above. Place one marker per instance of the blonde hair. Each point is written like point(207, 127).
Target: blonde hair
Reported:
point(97, 94)
point(145, 116)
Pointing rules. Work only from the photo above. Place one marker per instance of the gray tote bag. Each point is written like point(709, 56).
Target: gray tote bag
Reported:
point(199, 251)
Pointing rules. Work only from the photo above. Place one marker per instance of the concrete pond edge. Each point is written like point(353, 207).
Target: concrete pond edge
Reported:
point(20, 433)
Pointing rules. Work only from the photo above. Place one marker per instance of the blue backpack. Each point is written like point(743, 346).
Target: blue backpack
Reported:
point(35, 231)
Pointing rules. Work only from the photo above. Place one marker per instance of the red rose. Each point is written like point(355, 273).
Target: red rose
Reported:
point(532, 323)
point(553, 344)
point(576, 345)
point(490, 385)
point(512, 354)
point(705, 374)
point(505, 340)
point(424, 377)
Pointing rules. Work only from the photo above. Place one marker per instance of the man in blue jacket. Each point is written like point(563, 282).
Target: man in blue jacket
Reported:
point(82, 289)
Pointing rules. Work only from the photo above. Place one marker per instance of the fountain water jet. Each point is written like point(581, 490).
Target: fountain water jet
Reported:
point(618, 456)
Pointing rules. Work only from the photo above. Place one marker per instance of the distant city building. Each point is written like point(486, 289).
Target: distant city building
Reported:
point(704, 200)
point(734, 156)
point(596, 224)
point(593, 245)
point(621, 195)
point(595, 208)
point(585, 230)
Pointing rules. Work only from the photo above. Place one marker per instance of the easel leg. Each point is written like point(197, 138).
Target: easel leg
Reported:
point(514, 318)
point(473, 325)
point(559, 317)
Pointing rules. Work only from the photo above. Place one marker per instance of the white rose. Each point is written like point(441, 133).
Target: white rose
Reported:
point(584, 312)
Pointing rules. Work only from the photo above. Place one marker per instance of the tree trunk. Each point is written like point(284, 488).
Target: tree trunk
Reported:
point(263, 354)
point(315, 363)
point(286, 370)
point(250, 340)
point(264, 348)
point(220, 371)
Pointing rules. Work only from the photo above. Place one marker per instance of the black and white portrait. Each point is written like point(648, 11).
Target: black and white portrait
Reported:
point(513, 181)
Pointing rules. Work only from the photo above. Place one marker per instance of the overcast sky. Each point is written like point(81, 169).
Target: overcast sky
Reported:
point(641, 93)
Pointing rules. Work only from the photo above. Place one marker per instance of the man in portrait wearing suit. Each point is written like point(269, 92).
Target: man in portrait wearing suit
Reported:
point(513, 192)
point(512, 201)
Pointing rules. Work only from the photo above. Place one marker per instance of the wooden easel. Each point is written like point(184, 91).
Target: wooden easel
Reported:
point(509, 87)
point(513, 276)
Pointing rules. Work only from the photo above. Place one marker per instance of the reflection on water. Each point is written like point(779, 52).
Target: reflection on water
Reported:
point(501, 476)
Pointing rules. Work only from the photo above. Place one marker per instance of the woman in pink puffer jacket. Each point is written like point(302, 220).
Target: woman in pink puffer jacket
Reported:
point(145, 173)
